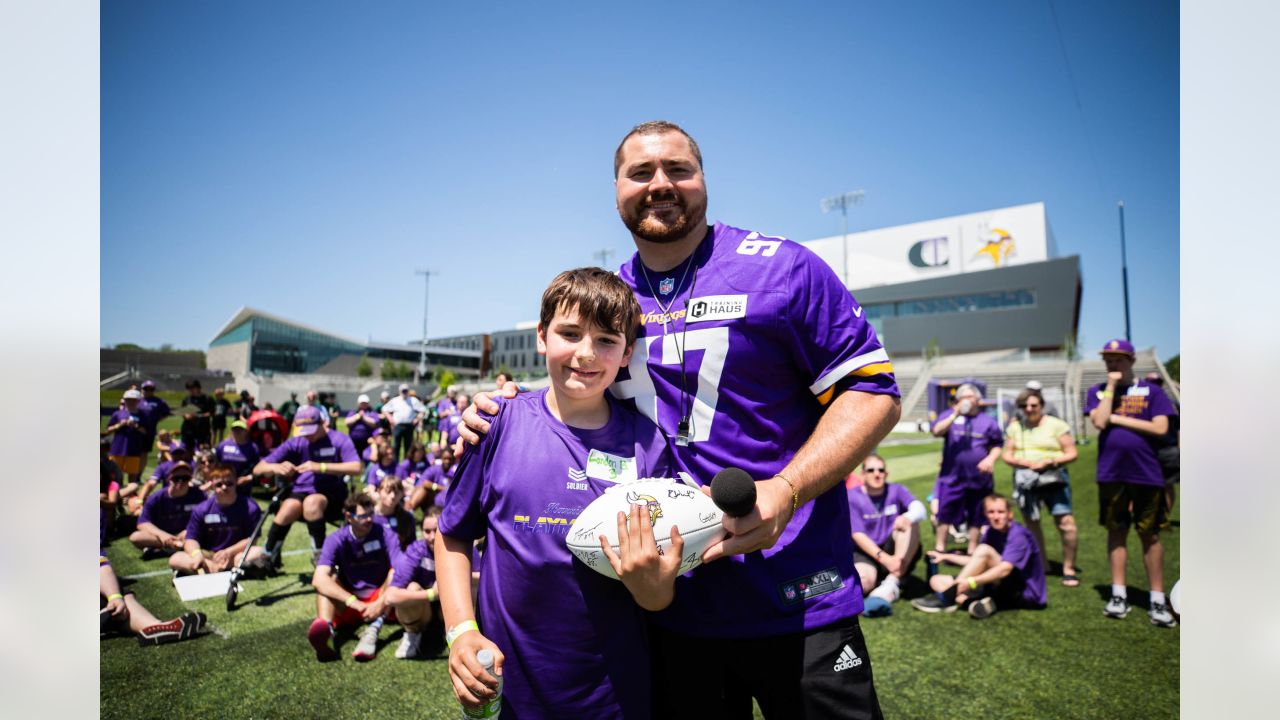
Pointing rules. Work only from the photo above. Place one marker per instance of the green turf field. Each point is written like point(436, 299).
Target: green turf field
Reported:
point(1064, 662)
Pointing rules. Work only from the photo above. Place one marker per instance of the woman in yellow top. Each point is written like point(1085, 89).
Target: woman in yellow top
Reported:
point(1039, 446)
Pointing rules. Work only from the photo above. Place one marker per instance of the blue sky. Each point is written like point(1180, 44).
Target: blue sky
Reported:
point(305, 158)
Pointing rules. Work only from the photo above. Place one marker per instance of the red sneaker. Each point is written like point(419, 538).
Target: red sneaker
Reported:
point(318, 635)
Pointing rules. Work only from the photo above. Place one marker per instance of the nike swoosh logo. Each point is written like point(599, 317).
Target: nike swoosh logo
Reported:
point(857, 312)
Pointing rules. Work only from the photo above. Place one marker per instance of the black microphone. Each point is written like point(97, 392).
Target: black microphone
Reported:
point(733, 491)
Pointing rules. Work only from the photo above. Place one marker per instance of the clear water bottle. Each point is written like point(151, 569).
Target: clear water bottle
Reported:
point(494, 706)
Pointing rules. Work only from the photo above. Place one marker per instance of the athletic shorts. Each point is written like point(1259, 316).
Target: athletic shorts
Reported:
point(958, 505)
point(888, 546)
point(336, 496)
point(1121, 505)
point(1170, 463)
point(350, 616)
point(820, 673)
point(129, 464)
point(1056, 497)
point(1009, 594)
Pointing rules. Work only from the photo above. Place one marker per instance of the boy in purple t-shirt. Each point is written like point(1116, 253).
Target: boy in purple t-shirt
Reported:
point(972, 442)
point(162, 526)
point(219, 528)
point(1133, 417)
point(579, 651)
point(430, 486)
point(352, 572)
point(389, 510)
point(241, 453)
point(413, 586)
point(1005, 572)
point(885, 519)
point(129, 444)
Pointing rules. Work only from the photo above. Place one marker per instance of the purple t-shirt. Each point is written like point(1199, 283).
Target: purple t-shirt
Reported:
point(375, 474)
point(1126, 455)
point(521, 487)
point(242, 458)
point(363, 563)
point(768, 339)
point(168, 513)
point(400, 522)
point(332, 447)
point(416, 564)
point(443, 405)
point(161, 473)
point(409, 469)
point(358, 430)
point(969, 440)
point(216, 527)
point(875, 516)
point(1018, 547)
point(152, 411)
point(128, 441)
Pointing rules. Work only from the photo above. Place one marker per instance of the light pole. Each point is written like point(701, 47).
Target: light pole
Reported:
point(426, 297)
point(843, 201)
point(604, 254)
point(1124, 276)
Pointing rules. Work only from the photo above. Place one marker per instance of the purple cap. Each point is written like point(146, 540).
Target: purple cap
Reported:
point(148, 384)
point(1118, 347)
point(177, 446)
point(307, 419)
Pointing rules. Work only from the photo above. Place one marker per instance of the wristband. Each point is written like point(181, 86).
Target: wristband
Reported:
point(432, 594)
point(324, 468)
point(973, 585)
point(457, 631)
point(114, 596)
point(351, 600)
point(195, 553)
point(1107, 394)
point(795, 497)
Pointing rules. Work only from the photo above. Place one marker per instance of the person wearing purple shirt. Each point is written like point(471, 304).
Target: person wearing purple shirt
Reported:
point(152, 409)
point(361, 423)
point(389, 510)
point(445, 408)
point(129, 444)
point(352, 572)
point(413, 586)
point(454, 421)
point(1006, 571)
point(377, 472)
point(219, 528)
point(1133, 417)
point(885, 519)
point(415, 464)
point(429, 489)
point(162, 526)
point(317, 459)
point(241, 453)
point(752, 354)
point(580, 650)
point(972, 440)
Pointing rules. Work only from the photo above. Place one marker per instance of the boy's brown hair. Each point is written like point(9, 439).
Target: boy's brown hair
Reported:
point(600, 297)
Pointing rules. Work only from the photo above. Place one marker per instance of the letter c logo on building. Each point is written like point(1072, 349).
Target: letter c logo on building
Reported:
point(930, 252)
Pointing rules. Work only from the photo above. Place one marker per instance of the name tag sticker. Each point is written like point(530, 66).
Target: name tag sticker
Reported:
point(1140, 391)
point(373, 545)
point(612, 468)
point(212, 519)
point(959, 421)
point(325, 452)
point(716, 307)
point(427, 564)
point(891, 509)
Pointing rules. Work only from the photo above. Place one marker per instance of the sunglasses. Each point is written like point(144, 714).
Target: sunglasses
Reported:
point(1027, 406)
point(180, 478)
point(362, 517)
point(875, 470)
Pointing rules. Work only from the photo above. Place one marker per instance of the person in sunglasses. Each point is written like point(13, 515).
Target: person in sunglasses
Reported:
point(219, 528)
point(162, 526)
point(885, 519)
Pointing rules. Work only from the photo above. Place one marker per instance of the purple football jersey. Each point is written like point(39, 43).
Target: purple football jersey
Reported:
point(217, 527)
point(168, 513)
point(575, 641)
point(968, 441)
point(768, 335)
point(333, 447)
point(241, 458)
point(1018, 547)
point(363, 563)
point(416, 564)
point(875, 516)
point(1126, 455)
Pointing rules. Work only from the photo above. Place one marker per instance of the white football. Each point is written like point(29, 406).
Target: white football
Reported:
point(669, 502)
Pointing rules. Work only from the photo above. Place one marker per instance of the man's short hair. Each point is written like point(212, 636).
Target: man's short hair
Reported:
point(874, 456)
point(192, 384)
point(996, 496)
point(967, 389)
point(217, 472)
point(599, 296)
point(391, 482)
point(655, 127)
point(357, 501)
point(434, 511)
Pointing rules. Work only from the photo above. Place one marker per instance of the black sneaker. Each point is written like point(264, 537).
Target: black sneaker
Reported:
point(156, 553)
point(932, 603)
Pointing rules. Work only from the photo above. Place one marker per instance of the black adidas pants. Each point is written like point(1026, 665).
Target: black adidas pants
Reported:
point(822, 673)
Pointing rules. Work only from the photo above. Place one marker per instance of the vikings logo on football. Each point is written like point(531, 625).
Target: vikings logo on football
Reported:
point(648, 501)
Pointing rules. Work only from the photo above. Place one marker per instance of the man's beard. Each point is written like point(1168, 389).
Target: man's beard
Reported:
point(647, 227)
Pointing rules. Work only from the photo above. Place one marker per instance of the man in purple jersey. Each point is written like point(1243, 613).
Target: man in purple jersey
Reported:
point(319, 458)
point(352, 573)
point(885, 518)
point(413, 586)
point(162, 526)
point(1005, 571)
point(972, 442)
point(751, 354)
point(219, 528)
point(361, 423)
point(1133, 417)
point(241, 453)
point(153, 409)
point(128, 446)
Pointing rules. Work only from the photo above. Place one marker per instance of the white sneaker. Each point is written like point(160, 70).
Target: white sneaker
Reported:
point(1160, 615)
point(1117, 607)
point(887, 591)
point(409, 645)
point(368, 645)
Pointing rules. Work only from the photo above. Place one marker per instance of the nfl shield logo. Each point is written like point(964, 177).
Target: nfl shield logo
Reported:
point(790, 592)
point(667, 285)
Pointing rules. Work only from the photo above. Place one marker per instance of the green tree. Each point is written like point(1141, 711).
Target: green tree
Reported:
point(933, 350)
point(365, 368)
point(388, 370)
point(447, 378)
point(1174, 366)
point(129, 346)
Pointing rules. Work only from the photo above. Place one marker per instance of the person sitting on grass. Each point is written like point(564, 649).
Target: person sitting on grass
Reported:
point(431, 485)
point(413, 593)
point(121, 611)
point(378, 471)
point(417, 462)
point(109, 490)
point(352, 573)
point(390, 511)
point(1004, 572)
point(241, 453)
point(162, 526)
point(885, 520)
point(178, 453)
point(218, 531)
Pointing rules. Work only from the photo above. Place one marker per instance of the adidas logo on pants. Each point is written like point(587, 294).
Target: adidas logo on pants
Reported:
point(847, 660)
